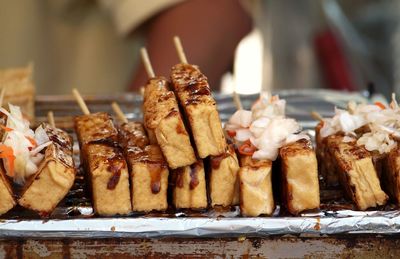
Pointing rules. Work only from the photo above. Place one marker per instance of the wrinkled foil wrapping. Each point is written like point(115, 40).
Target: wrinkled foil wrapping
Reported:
point(332, 218)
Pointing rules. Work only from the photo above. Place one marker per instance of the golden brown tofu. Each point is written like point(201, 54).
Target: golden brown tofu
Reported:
point(200, 109)
point(7, 201)
point(55, 176)
point(358, 176)
point(300, 187)
point(109, 179)
point(391, 175)
point(326, 160)
point(224, 179)
point(104, 164)
point(189, 191)
point(164, 123)
point(95, 127)
point(148, 169)
point(256, 197)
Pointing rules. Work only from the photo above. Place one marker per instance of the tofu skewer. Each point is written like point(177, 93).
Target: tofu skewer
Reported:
point(355, 170)
point(103, 161)
point(7, 201)
point(198, 105)
point(255, 177)
point(147, 166)
point(55, 176)
point(165, 126)
point(163, 120)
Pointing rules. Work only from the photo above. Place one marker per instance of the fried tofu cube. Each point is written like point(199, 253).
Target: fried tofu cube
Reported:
point(7, 201)
point(148, 169)
point(224, 179)
point(164, 123)
point(299, 171)
point(256, 196)
point(109, 178)
point(391, 175)
point(358, 176)
point(326, 159)
point(189, 191)
point(200, 109)
point(95, 127)
point(55, 176)
point(104, 164)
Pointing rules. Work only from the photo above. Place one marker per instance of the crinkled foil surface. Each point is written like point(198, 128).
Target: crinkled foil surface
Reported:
point(74, 217)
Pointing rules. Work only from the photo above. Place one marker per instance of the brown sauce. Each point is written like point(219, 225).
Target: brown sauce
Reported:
point(172, 113)
point(155, 174)
point(216, 160)
point(179, 177)
point(180, 129)
point(115, 166)
point(194, 180)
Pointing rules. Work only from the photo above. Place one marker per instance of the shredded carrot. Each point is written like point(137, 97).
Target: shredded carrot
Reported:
point(7, 129)
point(247, 148)
point(32, 140)
point(231, 133)
point(380, 105)
point(8, 153)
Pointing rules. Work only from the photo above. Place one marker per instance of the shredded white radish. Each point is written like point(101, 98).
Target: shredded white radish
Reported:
point(266, 127)
point(24, 143)
point(382, 125)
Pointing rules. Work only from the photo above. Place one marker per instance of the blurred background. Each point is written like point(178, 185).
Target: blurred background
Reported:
point(244, 45)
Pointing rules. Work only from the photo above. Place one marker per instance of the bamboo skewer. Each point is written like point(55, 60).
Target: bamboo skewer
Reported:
point(147, 63)
point(237, 101)
point(117, 110)
point(316, 116)
point(50, 119)
point(80, 101)
point(179, 50)
point(2, 93)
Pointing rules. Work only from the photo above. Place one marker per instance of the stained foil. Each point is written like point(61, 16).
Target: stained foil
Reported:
point(74, 218)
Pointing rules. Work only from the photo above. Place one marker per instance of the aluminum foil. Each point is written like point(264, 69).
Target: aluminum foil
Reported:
point(74, 217)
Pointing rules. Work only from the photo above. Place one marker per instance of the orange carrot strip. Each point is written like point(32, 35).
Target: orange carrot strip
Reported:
point(8, 153)
point(7, 129)
point(380, 105)
point(32, 140)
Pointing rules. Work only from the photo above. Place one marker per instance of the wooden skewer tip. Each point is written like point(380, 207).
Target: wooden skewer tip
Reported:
point(316, 116)
point(117, 110)
point(179, 50)
point(146, 62)
point(237, 101)
point(50, 119)
point(80, 101)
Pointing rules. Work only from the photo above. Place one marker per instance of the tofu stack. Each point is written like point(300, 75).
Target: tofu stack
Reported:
point(164, 123)
point(362, 143)
point(265, 135)
point(200, 111)
point(54, 177)
point(104, 164)
point(147, 167)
